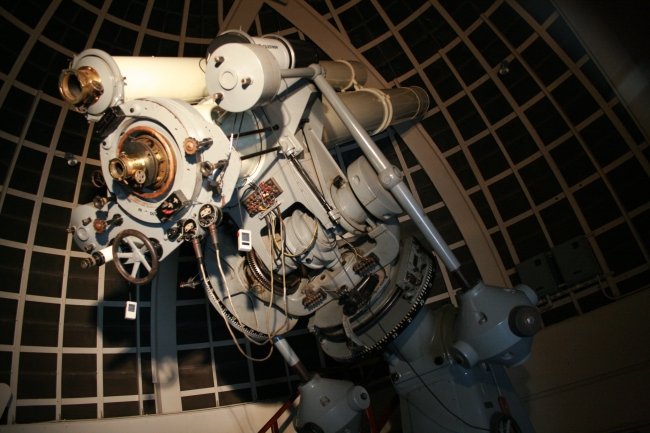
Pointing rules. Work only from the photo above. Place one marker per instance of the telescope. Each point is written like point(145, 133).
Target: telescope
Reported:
point(233, 154)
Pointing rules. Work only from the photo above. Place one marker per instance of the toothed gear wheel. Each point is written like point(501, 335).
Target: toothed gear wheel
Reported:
point(256, 271)
point(260, 273)
point(393, 310)
point(219, 306)
point(418, 303)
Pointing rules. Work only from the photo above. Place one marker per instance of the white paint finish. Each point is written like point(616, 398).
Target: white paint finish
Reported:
point(243, 418)
point(148, 77)
point(590, 373)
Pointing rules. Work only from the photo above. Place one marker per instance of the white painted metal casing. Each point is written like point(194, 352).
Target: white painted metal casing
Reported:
point(248, 76)
point(127, 78)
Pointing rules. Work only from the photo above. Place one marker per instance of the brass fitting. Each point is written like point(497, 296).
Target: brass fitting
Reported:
point(126, 167)
point(145, 163)
point(80, 87)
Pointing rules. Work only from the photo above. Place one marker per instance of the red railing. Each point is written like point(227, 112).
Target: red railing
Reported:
point(273, 422)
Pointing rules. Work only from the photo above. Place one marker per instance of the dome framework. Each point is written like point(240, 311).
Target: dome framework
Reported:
point(506, 166)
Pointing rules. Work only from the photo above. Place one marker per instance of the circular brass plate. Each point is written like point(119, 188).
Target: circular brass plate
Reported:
point(167, 154)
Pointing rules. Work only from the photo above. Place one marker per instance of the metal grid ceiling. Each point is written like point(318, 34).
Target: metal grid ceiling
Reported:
point(543, 154)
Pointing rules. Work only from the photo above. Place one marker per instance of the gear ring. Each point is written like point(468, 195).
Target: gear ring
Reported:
point(258, 273)
point(395, 332)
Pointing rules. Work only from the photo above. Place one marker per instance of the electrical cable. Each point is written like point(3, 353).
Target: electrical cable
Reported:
point(356, 252)
point(223, 276)
point(214, 300)
point(293, 169)
point(234, 310)
point(270, 226)
point(284, 273)
point(270, 335)
point(309, 245)
point(241, 122)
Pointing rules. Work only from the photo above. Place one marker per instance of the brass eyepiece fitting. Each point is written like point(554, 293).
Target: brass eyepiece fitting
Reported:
point(80, 87)
point(127, 167)
point(144, 164)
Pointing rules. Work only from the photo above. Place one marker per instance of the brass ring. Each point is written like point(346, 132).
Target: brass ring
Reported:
point(170, 157)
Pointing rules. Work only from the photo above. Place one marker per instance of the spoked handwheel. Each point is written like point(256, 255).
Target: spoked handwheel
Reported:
point(133, 249)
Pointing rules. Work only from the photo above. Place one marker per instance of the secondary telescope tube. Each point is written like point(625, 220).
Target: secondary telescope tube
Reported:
point(389, 176)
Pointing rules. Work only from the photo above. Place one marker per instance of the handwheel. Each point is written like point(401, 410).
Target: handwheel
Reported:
point(126, 252)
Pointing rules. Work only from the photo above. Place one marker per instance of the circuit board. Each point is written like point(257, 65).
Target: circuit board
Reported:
point(262, 198)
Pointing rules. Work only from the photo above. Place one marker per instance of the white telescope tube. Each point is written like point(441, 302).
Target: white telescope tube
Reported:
point(169, 77)
point(97, 81)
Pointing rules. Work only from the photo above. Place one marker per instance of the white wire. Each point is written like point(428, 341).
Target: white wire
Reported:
point(270, 335)
point(232, 305)
point(215, 302)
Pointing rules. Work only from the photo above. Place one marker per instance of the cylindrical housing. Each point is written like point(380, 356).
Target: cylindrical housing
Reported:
point(126, 78)
point(163, 77)
point(289, 53)
point(286, 351)
point(381, 164)
point(246, 76)
point(343, 75)
point(291, 358)
point(126, 166)
point(375, 110)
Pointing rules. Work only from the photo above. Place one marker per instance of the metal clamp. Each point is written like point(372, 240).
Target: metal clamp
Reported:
point(390, 177)
point(388, 109)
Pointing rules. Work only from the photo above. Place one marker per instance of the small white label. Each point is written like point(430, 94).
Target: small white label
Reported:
point(131, 310)
point(244, 240)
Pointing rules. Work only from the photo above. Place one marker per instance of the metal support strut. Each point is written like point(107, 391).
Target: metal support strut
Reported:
point(292, 359)
point(390, 176)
